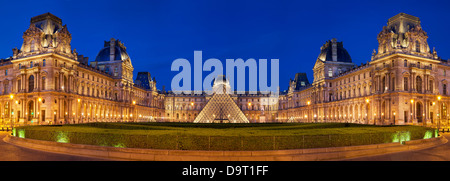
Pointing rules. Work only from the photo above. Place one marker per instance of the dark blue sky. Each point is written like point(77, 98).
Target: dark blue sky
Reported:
point(158, 32)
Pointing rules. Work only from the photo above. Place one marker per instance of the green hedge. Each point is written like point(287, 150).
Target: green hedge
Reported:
point(116, 135)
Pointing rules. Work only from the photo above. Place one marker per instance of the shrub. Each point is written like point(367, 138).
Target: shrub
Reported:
point(224, 136)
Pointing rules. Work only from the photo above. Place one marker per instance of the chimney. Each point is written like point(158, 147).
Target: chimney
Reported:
point(112, 45)
point(334, 49)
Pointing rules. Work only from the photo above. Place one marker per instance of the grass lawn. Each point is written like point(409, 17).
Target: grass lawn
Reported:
point(194, 136)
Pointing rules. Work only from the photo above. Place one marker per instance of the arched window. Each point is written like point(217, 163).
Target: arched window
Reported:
point(405, 83)
point(430, 86)
point(392, 84)
point(43, 63)
point(19, 83)
point(43, 83)
point(419, 84)
point(56, 83)
point(444, 89)
point(31, 83)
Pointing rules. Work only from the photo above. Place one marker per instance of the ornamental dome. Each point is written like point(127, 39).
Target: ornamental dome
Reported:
point(334, 51)
point(113, 50)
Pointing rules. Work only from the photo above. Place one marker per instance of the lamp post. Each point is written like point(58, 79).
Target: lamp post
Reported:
point(39, 115)
point(12, 113)
point(412, 108)
point(307, 110)
point(132, 111)
point(394, 117)
point(367, 110)
point(439, 112)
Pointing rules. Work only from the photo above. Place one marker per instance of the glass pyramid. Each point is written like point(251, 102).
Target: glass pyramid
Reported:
point(221, 108)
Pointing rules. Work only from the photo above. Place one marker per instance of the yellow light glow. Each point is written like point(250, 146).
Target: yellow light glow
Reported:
point(412, 101)
point(367, 100)
point(309, 102)
point(11, 96)
point(439, 97)
point(134, 102)
point(39, 99)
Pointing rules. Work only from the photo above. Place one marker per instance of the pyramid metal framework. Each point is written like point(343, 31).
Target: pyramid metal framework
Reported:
point(221, 109)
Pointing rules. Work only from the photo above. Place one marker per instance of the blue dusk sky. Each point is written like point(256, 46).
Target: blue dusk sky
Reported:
point(158, 32)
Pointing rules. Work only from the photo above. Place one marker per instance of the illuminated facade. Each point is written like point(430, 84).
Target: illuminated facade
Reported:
point(48, 82)
point(404, 83)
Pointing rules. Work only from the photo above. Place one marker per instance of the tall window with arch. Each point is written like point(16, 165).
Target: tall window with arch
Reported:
point(444, 89)
point(31, 83)
point(419, 84)
point(43, 83)
point(405, 83)
point(430, 86)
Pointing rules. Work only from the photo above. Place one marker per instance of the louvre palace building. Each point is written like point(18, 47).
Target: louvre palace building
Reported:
point(46, 82)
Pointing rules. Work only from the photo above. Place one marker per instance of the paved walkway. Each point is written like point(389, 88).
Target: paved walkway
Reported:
point(438, 153)
point(9, 152)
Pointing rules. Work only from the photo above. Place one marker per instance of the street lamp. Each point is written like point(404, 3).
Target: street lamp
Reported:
point(394, 117)
point(11, 96)
point(412, 108)
point(439, 111)
point(39, 116)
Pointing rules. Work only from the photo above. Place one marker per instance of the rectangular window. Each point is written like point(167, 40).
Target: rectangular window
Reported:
point(405, 83)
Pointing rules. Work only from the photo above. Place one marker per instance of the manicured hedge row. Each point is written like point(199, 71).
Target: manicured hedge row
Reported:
point(237, 143)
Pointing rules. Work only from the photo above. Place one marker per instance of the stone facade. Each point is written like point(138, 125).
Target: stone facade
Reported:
point(404, 83)
point(48, 82)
